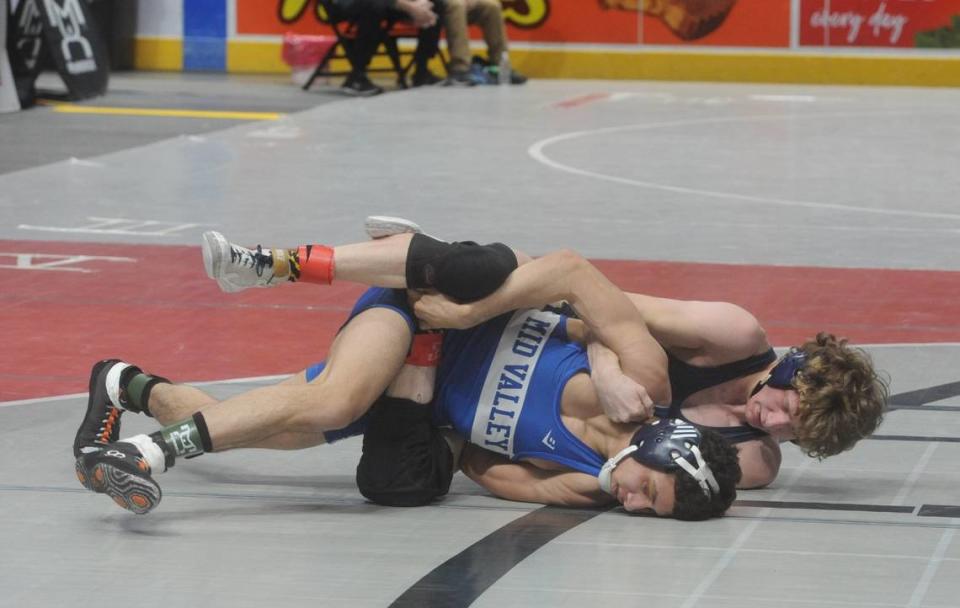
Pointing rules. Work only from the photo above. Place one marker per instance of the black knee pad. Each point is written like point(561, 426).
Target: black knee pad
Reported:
point(463, 270)
point(405, 461)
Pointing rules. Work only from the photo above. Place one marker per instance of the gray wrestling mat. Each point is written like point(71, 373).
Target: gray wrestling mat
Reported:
point(677, 172)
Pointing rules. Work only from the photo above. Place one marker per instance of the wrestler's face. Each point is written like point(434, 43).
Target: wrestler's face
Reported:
point(774, 410)
point(640, 488)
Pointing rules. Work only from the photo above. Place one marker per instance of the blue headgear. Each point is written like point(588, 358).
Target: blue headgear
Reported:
point(783, 373)
point(667, 445)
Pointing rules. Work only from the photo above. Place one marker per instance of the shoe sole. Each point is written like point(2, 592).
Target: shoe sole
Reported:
point(381, 226)
point(355, 93)
point(132, 492)
point(216, 249)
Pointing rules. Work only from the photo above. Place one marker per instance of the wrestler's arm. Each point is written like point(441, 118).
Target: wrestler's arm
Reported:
point(759, 462)
point(604, 308)
point(701, 333)
point(717, 331)
point(524, 482)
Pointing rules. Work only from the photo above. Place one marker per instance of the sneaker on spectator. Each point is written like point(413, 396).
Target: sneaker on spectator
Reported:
point(492, 71)
point(459, 79)
point(517, 78)
point(481, 75)
point(425, 78)
point(360, 86)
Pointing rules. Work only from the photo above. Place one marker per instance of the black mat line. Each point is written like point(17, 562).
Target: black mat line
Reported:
point(939, 511)
point(923, 396)
point(824, 506)
point(463, 578)
point(926, 408)
point(914, 438)
point(460, 580)
point(924, 510)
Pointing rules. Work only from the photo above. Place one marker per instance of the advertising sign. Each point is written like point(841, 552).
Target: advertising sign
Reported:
point(880, 23)
point(746, 23)
point(64, 32)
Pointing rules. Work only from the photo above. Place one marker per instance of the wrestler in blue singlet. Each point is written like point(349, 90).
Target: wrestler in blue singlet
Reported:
point(500, 384)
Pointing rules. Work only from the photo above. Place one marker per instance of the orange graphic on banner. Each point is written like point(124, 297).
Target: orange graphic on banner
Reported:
point(526, 13)
point(756, 23)
point(293, 10)
point(688, 19)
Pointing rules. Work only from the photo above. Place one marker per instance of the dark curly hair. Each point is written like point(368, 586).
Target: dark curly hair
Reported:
point(691, 503)
point(842, 397)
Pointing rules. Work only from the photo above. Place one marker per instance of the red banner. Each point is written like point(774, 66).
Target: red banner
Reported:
point(746, 23)
point(880, 23)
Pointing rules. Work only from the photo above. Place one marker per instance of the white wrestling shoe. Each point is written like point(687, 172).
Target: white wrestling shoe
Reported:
point(380, 226)
point(236, 268)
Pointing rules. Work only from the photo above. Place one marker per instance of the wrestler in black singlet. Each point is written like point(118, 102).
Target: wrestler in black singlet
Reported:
point(686, 379)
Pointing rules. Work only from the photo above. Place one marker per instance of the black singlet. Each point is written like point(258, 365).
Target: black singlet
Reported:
point(686, 379)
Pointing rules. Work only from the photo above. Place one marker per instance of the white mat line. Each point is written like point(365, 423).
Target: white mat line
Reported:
point(283, 376)
point(536, 151)
point(275, 378)
point(762, 551)
point(931, 570)
point(914, 475)
point(728, 556)
point(770, 601)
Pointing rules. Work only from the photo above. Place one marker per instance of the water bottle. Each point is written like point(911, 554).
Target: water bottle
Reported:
point(503, 69)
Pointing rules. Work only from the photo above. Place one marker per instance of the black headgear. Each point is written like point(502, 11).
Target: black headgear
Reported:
point(668, 445)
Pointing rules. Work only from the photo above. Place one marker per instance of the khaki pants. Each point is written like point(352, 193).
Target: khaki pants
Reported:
point(488, 15)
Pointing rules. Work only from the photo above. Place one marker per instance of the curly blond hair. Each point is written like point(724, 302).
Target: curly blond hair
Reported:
point(842, 397)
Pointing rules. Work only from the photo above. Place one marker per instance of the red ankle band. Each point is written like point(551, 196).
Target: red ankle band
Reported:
point(316, 264)
point(425, 350)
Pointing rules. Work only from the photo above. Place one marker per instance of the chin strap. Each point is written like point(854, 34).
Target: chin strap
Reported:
point(607, 469)
point(701, 473)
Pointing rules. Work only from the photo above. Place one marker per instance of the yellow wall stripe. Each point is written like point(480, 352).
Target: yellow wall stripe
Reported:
point(158, 54)
point(161, 112)
point(717, 66)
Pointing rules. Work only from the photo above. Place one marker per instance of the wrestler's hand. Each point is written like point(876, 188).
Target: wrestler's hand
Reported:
point(437, 311)
point(623, 400)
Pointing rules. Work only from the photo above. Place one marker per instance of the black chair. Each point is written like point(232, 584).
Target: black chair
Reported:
point(345, 31)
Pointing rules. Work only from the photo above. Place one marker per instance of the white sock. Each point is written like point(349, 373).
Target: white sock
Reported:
point(113, 383)
point(151, 452)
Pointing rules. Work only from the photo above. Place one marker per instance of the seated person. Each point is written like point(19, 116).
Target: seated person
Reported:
point(368, 16)
point(488, 15)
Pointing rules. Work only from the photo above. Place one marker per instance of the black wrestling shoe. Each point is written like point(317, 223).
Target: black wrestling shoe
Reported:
point(101, 423)
point(120, 471)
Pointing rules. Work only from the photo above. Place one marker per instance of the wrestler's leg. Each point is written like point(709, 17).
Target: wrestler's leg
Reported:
point(463, 270)
point(172, 402)
point(363, 360)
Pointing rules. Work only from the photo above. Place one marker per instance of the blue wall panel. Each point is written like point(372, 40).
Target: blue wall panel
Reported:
point(205, 35)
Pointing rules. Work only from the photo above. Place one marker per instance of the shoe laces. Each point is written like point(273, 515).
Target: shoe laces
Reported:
point(257, 260)
point(104, 434)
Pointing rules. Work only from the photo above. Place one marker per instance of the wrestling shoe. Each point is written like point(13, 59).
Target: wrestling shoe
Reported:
point(236, 268)
point(121, 472)
point(105, 405)
point(380, 226)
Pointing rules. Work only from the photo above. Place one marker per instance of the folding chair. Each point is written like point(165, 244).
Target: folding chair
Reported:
point(346, 32)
